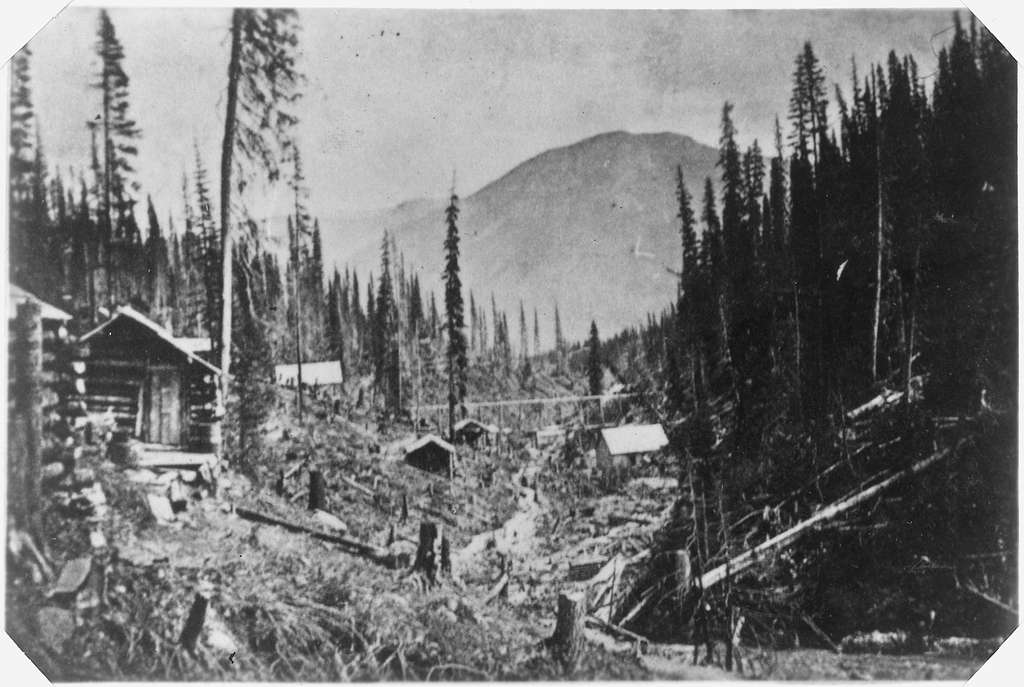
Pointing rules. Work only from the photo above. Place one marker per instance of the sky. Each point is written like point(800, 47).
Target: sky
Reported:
point(395, 100)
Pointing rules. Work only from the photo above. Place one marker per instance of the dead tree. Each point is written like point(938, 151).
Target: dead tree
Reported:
point(567, 641)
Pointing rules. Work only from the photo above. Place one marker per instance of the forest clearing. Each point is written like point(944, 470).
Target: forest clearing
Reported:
point(281, 437)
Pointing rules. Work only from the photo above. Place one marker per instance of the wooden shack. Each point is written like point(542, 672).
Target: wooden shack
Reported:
point(54, 323)
point(156, 386)
point(473, 432)
point(432, 454)
point(624, 446)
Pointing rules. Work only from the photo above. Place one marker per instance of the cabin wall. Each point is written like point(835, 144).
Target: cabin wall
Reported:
point(155, 392)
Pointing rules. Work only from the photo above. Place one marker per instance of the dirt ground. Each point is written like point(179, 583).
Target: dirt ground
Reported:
point(286, 606)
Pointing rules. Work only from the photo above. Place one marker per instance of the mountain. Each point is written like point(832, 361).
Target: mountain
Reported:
point(591, 226)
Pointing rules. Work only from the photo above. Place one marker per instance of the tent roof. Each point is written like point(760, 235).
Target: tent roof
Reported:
point(325, 372)
point(634, 439)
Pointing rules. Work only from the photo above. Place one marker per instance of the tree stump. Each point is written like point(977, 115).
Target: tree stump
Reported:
point(446, 555)
point(567, 641)
point(428, 556)
point(279, 484)
point(317, 491)
point(194, 622)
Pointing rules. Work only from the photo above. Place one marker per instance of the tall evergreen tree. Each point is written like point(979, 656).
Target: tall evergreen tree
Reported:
point(454, 318)
point(595, 371)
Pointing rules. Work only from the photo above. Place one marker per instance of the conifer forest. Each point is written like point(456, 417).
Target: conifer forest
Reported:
point(621, 406)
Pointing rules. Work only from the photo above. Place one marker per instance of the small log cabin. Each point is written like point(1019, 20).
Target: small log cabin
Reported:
point(473, 432)
point(432, 454)
point(157, 386)
point(624, 446)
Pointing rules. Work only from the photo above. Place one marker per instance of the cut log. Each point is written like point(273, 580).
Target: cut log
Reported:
point(785, 539)
point(567, 640)
point(641, 642)
point(357, 486)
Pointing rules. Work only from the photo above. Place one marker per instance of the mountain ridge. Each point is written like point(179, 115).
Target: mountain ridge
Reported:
point(590, 226)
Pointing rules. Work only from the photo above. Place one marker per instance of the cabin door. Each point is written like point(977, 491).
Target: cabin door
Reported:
point(164, 412)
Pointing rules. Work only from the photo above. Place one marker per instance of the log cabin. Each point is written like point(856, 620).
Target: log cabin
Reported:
point(157, 386)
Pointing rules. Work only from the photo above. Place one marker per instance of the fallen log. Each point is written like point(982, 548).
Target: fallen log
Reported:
point(970, 587)
point(357, 486)
point(375, 553)
point(785, 539)
point(639, 641)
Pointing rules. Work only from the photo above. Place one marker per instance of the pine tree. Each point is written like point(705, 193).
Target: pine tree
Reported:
point(387, 372)
point(454, 319)
point(595, 372)
point(119, 131)
point(524, 336)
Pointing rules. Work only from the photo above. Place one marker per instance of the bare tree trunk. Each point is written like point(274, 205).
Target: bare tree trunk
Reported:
point(911, 324)
point(878, 273)
point(226, 169)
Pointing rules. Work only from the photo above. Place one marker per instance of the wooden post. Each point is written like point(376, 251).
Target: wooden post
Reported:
point(194, 622)
point(405, 508)
point(279, 485)
point(567, 640)
point(24, 470)
point(317, 491)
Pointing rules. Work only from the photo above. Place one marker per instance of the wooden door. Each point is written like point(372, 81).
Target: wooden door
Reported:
point(164, 416)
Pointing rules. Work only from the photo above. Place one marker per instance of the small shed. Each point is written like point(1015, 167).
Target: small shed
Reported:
point(155, 384)
point(432, 454)
point(548, 435)
point(624, 446)
point(472, 432)
point(326, 373)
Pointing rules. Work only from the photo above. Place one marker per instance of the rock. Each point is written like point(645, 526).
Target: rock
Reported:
point(160, 507)
point(177, 496)
point(72, 576)
point(330, 521)
point(56, 625)
point(52, 472)
point(97, 540)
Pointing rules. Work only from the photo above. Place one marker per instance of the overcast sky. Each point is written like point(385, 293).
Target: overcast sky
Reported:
point(396, 99)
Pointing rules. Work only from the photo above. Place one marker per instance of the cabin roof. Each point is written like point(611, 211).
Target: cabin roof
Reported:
point(634, 439)
point(128, 312)
point(17, 295)
point(325, 372)
point(429, 439)
point(195, 344)
point(470, 422)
